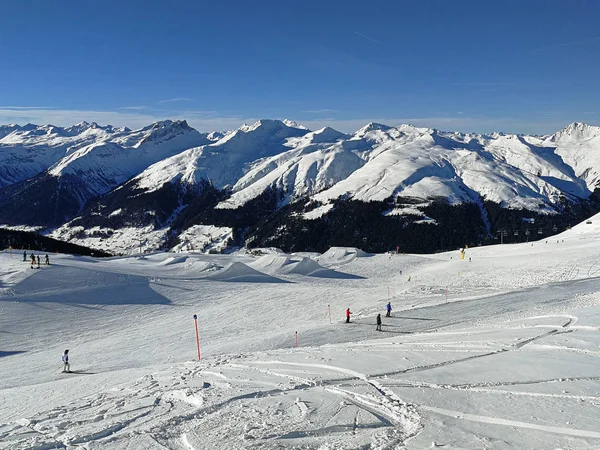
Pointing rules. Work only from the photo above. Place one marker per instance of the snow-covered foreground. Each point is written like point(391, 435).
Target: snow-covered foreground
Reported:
point(498, 352)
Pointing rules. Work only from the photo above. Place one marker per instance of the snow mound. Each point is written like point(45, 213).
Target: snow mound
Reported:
point(311, 255)
point(201, 266)
point(272, 263)
point(341, 255)
point(310, 268)
point(241, 273)
point(172, 260)
point(295, 265)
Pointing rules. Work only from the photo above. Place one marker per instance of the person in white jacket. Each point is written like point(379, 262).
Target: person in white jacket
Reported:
point(65, 360)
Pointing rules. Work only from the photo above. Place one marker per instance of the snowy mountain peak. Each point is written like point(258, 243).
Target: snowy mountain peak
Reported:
point(269, 125)
point(91, 128)
point(214, 136)
point(5, 130)
point(165, 130)
point(326, 134)
point(411, 129)
point(577, 130)
point(260, 135)
point(81, 126)
point(29, 126)
point(371, 126)
point(292, 124)
point(171, 124)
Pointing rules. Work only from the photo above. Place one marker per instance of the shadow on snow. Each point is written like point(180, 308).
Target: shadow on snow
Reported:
point(9, 353)
point(77, 286)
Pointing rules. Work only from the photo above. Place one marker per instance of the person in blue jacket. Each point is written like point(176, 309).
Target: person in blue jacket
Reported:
point(388, 307)
point(65, 360)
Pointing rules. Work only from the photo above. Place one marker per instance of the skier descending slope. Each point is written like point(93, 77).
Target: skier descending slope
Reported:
point(348, 315)
point(389, 310)
point(65, 360)
point(378, 322)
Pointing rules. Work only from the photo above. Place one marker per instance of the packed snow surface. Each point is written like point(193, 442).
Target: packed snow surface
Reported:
point(498, 350)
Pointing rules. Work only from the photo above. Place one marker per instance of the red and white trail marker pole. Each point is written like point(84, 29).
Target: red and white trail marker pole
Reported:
point(197, 337)
point(296, 339)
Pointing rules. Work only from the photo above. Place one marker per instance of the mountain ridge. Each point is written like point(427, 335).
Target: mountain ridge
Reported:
point(63, 169)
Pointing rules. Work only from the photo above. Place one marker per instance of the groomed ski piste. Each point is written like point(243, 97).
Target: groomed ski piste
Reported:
point(500, 351)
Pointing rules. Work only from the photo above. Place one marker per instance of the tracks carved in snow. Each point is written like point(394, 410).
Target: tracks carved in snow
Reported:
point(389, 405)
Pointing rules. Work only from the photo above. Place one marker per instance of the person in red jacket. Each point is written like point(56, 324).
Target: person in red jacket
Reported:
point(348, 315)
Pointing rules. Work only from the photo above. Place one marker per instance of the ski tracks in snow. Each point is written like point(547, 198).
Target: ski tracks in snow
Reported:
point(105, 417)
point(489, 387)
point(387, 406)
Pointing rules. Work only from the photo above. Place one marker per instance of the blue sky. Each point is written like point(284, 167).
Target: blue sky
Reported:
point(523, 66)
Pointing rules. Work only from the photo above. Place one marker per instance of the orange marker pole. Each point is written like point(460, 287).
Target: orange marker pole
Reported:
point(197, 337)
point(296, 339)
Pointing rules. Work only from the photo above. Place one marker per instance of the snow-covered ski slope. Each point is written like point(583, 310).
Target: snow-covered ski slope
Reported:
point(498, 352)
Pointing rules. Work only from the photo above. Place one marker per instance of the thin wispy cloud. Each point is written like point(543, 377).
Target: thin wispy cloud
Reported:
point(134, 108)
point(25, 108)
point(568, 44)
point(177, 99)
point(368, 37)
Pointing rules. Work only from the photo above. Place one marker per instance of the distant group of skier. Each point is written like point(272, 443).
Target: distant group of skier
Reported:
point(388, 313)
point(35, 260)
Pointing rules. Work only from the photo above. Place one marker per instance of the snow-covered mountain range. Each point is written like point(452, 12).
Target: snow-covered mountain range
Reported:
point(50, 175)
point(378, 162)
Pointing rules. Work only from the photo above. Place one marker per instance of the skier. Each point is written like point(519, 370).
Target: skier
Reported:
point(38, 261)
point(388, 307)
point(378, 323)
point(47, 260)
point(65, 360)
point(348, 315)
point(25, 256)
